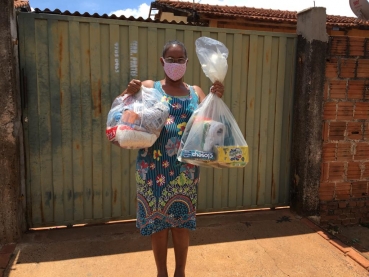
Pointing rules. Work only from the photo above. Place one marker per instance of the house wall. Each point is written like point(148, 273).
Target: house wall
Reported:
point(170, 17)
point(12, 220)
point(344, 180)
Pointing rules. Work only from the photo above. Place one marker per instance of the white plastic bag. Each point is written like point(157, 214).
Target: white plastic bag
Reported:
point(212, 137)
point(213, 56)
point(135, 121)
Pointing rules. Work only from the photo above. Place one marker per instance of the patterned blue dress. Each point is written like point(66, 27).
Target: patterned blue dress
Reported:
point(167, 188)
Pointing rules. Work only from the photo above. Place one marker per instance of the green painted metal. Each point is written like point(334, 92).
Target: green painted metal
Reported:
point(74, 67)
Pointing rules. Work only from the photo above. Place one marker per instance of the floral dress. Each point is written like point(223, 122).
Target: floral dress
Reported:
point(167, 188)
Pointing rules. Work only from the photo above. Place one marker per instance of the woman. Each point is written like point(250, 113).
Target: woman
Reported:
point(167, 188)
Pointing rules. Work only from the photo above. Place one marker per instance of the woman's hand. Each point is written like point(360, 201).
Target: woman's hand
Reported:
point(217, 88)
point(133, 87)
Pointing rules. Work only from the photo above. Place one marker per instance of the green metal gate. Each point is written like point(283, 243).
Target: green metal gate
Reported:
point(72, 69)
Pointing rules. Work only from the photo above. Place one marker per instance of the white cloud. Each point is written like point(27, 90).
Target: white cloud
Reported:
point(143, 11)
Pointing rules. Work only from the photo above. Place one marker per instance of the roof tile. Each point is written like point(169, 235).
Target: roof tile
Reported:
point(21, 4)
point(266, 15)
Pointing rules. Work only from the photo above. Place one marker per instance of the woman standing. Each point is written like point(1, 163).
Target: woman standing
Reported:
point(167, 188)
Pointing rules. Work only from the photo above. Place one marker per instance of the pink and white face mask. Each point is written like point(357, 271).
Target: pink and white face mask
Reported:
point(175, 71)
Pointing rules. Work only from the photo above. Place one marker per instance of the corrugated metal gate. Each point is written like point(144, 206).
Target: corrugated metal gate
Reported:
point(73, 67)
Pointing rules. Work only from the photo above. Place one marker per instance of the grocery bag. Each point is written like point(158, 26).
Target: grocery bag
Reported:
point(212, 137)
point(135, 121)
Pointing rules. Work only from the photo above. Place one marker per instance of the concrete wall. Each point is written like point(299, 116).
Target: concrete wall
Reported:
point(307, 111)
point(12, 220)
point(345, 164)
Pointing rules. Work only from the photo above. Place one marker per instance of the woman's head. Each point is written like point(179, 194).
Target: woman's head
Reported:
point(174, 60)
point(174, 43)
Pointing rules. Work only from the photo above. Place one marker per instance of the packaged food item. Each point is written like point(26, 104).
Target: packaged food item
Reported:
point(135, 121)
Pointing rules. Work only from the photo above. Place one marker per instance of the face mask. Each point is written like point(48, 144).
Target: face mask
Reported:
point(174, 71)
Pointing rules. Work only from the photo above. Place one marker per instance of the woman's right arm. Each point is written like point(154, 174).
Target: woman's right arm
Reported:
point(134, 86)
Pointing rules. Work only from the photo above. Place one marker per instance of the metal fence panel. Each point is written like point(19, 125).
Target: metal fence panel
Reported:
point(74, 67)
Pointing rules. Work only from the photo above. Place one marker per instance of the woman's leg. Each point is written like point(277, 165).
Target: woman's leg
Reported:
point(159, 242)
point(181, 240)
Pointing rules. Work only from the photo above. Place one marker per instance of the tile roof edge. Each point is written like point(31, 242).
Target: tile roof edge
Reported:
point(106, 16)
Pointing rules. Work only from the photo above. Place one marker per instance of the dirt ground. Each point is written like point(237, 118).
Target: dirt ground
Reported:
point(355, 236)
point(251, 244)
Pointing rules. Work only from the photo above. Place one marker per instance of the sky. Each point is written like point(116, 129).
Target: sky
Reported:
point(137, 8)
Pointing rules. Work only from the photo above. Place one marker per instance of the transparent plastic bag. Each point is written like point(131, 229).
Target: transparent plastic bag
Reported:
point(212, 137)
point(213, 56)
point(135, 121)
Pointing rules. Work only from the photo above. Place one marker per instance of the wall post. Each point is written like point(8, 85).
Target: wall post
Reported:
point(12, 219)
point(307, 110)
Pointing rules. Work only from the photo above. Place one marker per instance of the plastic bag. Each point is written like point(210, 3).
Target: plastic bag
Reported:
point(135, 121)
point(213, 56)
point(212, 137)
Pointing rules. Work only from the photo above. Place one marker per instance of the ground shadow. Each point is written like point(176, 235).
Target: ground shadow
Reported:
point(91, 241)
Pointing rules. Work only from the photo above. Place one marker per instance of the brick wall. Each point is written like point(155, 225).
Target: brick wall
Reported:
point(344, 182)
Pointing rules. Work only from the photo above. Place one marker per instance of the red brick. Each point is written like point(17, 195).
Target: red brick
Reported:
point(347, 68)
point(326, 196)
point(357, 46)
point(343, 192)
point(338, 212)
point(332, 205)
point(344, 152)
point(345, 110)
point(342, 216)
point(324, 235)
point(331, 68)
point(324, 207)
point(340, 245)
point(358, 258)
point(359, 189)
point(339, 45)
point(360, 204)
point(355, 130)
point(352, 204)
point(362, 68)
point(361, 110)
point(361, 151)
point(337, 130)
point(354, 171)
point(365, 167)
point(366, 91)
point(337, 89)
point(346, 222)
point(329, 152)
point(342, 195)
point(336, 171)
point(327, 187)
point(325, 131)
point(324, 173)
point(356, 89)
point(330, 111)
point(366, 131)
